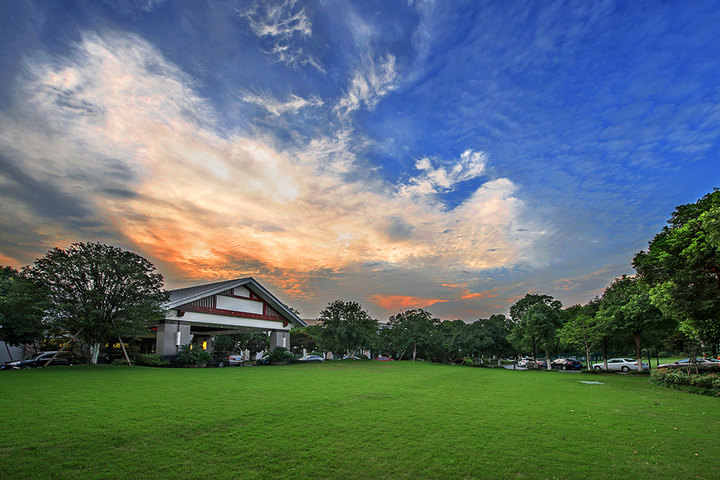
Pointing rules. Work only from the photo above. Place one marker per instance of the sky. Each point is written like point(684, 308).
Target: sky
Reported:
point(451, 156)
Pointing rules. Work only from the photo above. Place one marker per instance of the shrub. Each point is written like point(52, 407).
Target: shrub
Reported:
point(705, 383)
point(280, 355)
point(150, 360)
point(189, 356)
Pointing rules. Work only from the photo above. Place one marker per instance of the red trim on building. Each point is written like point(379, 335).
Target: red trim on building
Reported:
point(231, 313)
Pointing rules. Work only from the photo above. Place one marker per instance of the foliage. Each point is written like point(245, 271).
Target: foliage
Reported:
point(191, 355)
point(22, 308)
point(300, 339)
point(150, 360)
point(626, 304)
point(536, 320)
point(682, 266)
point(100, 291)
point(485, 337)
point(347, 328)
point(706, 382)
point(582, 327)
point(526, 335)
point(280, 355)
point(414, 329)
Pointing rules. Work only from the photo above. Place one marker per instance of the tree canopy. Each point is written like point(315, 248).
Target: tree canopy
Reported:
point(22, 308)
point(101, 291)
point(414, 329)
point(682, 268)
point(347, 327)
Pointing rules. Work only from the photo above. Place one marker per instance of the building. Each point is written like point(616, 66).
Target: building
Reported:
point(195, 314)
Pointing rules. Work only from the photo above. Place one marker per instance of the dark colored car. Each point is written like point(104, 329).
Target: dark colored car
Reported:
point(39, 360)
point(566, 364)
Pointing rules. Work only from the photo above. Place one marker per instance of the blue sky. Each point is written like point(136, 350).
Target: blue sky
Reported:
point(445, 155)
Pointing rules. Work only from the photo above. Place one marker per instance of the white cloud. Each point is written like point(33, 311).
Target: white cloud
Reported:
point(432, 180)
point(215, 204)
point(369, 84)
point(278, 107)
point(284, 26)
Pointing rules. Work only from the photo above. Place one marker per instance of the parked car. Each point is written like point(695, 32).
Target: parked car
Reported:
point(224, 359)
point(566, 364)
point(522, 362)
point(311, 358)
point(39, 360)
point(538, 364)
point(620, 365)
point(687, 362)
point(383, 358)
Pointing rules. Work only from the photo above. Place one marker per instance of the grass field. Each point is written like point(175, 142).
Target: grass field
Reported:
point(350, 420)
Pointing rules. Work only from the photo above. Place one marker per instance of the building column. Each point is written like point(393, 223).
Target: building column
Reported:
point(171, 334)
point(279, 338)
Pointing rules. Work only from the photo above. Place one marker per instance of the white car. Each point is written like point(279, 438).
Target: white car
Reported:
point(620, 365)
point(311, 358)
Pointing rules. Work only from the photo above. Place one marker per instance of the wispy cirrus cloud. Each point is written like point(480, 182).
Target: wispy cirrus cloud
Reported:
point(276, 107)
point(285, 26)
point(371, 81)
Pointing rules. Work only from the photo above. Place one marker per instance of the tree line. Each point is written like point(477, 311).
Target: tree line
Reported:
point(672, 302)
point(98, 293)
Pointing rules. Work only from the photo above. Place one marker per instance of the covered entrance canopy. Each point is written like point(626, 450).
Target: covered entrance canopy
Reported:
point(231, 306)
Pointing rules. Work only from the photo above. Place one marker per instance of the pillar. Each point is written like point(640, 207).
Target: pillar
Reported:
point(171, 334)
point(279, 338)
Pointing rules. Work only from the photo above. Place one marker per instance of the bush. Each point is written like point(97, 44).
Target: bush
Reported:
point(190, 356)
point(150, 360)
point(704, 383)
point(280, 355)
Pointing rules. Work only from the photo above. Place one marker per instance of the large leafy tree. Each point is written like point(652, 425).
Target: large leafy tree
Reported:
point(682, 267)
point(22, 308)
point(347, 327)
point(626, 303)
point(582, 327)
point(486, 337)
point(101, 291)
point(524, 334)
point(542, 321)
point(415, 329)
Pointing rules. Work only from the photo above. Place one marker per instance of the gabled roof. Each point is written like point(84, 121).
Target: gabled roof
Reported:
point(182, 296)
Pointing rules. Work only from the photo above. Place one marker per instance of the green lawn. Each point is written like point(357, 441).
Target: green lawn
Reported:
point(350, 420)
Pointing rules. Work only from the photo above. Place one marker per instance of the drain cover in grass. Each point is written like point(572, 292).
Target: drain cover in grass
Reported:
point(591, 383)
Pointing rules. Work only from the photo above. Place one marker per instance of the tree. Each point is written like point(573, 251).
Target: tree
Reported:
point(521, 335)
point(301, 340)
point(22, 309)
point(627, 302)
point(582, 327)
point(347, 327)
point(542, 321)
point(682, 267)
point(100, 291)
point(414, 328)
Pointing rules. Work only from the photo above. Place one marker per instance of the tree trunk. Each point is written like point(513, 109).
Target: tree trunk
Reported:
point(547, 358)
point(8, 350)
point(638, 355)
point(587, 356)
point(94, 353)
point(414, 350)
point(605, 342)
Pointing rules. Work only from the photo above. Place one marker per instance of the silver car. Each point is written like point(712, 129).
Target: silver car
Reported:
point(620, 365)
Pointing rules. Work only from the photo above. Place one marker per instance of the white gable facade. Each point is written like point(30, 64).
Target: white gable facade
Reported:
point(195, 314)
